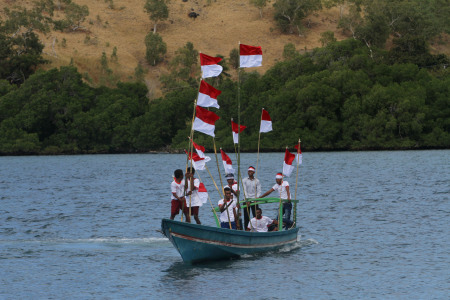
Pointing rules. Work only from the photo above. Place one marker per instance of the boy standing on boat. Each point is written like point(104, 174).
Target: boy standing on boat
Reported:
point(283, 191)
point(193, 200)
point(252, 189)
point(232, 184)
point(227, 208)
point(178, 199)
point(261, 223)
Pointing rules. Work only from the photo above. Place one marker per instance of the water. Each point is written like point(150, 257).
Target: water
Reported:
point(374, 225)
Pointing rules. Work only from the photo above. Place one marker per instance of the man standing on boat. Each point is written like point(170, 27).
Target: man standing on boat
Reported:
point(193, 200)
point(227, 208)
point(232, 184)
point(261, 223)
point(178, 199)
point(283, 191)
point(252, 189)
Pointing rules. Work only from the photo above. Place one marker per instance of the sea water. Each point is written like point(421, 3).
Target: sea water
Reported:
point(373, 225)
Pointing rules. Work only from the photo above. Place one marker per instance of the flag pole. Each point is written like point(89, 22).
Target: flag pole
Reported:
point(217, 162)
point(298, 164)
point(257, 156)
point(217, 188)
point(280, 215)
point(187, 158)
point(212, 207)
point(191, 146)
point(296, 182)
point(240, 178)
point(239, 133)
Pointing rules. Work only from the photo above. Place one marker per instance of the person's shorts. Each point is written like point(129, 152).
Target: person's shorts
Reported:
point(176, 207)
point(227, 225)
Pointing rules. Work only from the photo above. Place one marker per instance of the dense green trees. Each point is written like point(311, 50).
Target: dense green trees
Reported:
point(336, 97)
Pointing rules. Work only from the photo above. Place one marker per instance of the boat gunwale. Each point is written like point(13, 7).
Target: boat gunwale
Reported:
point(232, 232)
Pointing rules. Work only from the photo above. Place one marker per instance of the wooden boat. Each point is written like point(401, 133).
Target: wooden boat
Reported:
point(199, 243)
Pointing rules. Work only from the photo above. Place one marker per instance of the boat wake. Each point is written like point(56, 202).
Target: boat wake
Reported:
point(108, 241)
point(297, 245)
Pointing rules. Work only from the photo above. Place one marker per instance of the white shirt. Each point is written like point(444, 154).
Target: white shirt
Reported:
point(224, 215)
point(234, 187)
point(177, 188)
point(282, 189)
point(252, 188)
point(193, 198)
point(260, 225)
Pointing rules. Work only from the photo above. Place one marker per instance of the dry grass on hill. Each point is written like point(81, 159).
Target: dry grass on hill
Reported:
point(217, 30)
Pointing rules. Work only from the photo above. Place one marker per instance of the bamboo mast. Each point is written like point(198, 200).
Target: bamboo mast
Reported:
point(212, 207)
point(245, 196)
point(280, 215)
point(191, 145)
point(296, 182)
point(217, 162)
point(239, 138)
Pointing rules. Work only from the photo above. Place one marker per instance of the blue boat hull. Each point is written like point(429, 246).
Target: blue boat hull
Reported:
point(198, 243)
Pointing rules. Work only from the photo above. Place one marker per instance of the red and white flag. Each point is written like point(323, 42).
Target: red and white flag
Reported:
point(205, 121)
point(266, 122)
point(202, 193)
point(235, 129)
point(198, 162)
point(299, 157)
point(250, 56)
point(227, 164)
point(287, 164)
point(207, 95)
point(200, 149)
point(209, 65)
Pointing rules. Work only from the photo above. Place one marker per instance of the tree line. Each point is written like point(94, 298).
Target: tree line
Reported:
point(341, 96)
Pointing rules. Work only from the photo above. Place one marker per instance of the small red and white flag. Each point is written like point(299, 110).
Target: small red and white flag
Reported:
point(250, 56)
point(205, 121)
point(235, 129)
point(198, 162)
point(266, 122)
point(227, 164)
point(202, 193)
point(299, 156)
point(207, 95)
point(200, 149)
point(287, 164)
point(209, 65)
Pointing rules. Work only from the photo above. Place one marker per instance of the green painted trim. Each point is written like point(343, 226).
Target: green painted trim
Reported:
point(260, 201)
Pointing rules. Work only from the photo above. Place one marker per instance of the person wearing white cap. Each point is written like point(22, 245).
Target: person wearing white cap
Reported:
point(283, 191)
point(232, 184)
point(252, 189)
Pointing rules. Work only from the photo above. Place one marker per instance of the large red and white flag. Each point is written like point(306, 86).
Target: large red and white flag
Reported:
point(287, 164)
point(250, 56)
point(198, 162)
point(266, 122)
point(209, 65)
point(299, 156)
point(227, 164)
point(235, 129)
point(207, 95)
point(202, 193)
point(205, 121)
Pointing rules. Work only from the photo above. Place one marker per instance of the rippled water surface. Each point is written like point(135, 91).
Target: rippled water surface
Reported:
point(373, 225)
